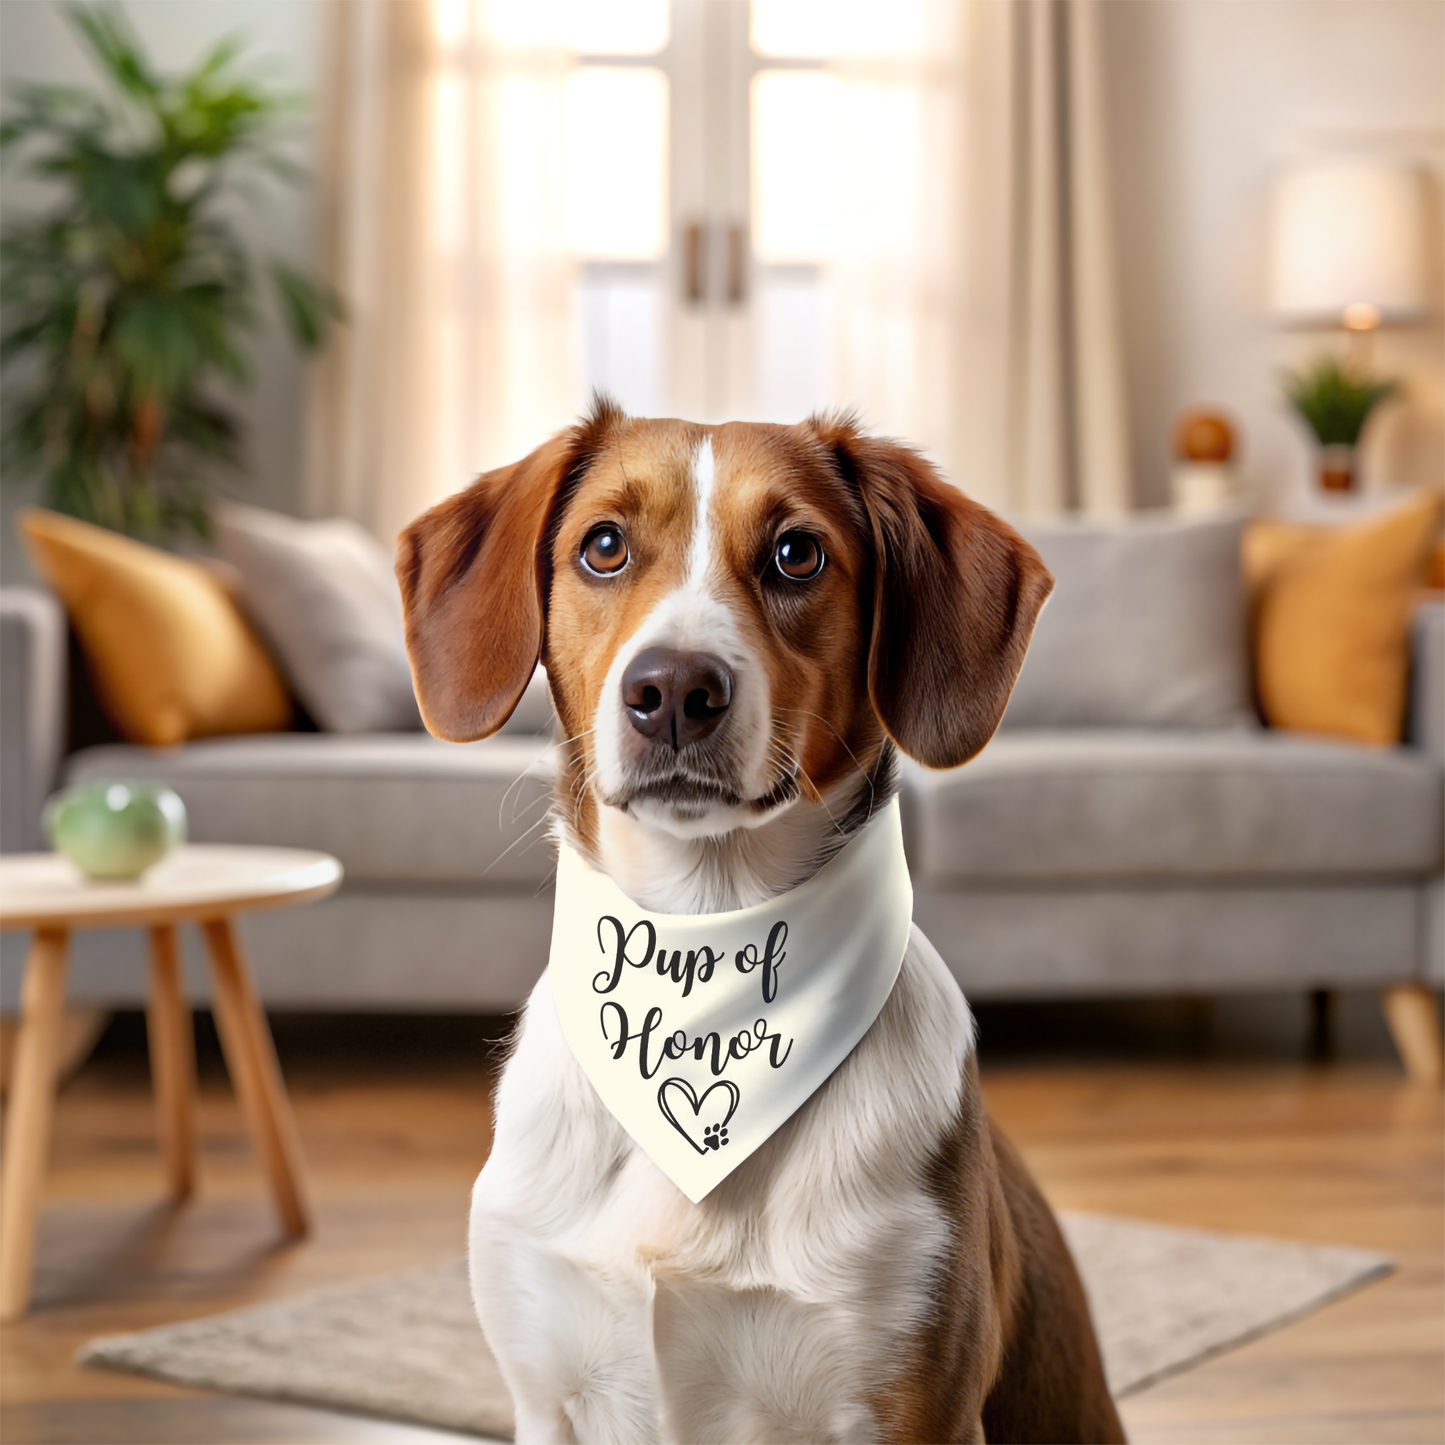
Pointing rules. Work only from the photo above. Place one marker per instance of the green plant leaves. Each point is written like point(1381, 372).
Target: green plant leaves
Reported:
point(156, 343)
point(308, 307)
point(1334, 404)
point(136, 292)
point(117, 47)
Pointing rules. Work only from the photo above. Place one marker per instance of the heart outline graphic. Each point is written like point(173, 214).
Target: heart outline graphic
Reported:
point(696, 1103)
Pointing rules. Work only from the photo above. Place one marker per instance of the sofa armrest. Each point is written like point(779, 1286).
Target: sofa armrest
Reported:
point(1425, 727)
point(32, 711)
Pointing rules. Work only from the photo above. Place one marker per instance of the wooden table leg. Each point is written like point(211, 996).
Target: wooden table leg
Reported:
point(27, 1133)
point(173, 1061)
point(1413, 1015)
point(251, 1058)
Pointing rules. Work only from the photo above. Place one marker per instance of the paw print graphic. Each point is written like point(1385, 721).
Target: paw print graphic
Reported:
point(715, 1136)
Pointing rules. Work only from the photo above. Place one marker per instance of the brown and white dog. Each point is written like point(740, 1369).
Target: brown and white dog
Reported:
point(740, 626)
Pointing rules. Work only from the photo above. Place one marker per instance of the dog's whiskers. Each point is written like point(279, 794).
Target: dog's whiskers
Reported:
point(867, 776)
point(515, 783)
point(575, 738)
point(516, 842)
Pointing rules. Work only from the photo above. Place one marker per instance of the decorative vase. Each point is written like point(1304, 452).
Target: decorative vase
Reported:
point(1337, 468)
point(115, 829)
point(1203, 477)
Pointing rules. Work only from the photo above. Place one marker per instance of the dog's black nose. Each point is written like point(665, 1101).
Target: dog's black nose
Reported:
point(676, 697)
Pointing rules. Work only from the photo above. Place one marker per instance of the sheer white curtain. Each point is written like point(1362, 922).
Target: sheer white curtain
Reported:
point(970, 285)
point(894, 264)
point(973, 289)
point(444, 189)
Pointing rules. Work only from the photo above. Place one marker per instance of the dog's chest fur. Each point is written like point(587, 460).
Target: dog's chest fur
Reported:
point(772, 1310)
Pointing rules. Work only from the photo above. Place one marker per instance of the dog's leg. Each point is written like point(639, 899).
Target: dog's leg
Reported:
point(574, 1345)
point(1051, 1384)
point(546, 1426)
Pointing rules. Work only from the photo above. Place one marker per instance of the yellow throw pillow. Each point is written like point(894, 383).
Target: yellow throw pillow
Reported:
point(169, 654)
point(1435, 568)
point(1331, 609)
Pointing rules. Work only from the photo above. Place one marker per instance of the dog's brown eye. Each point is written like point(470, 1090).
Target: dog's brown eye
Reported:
point(798, 556)
point(605, 551)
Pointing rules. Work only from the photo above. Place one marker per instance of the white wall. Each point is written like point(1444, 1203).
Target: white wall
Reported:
point(36, 44)
point(1208, 99)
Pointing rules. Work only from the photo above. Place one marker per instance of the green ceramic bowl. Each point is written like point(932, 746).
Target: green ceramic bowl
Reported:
point(115, 829)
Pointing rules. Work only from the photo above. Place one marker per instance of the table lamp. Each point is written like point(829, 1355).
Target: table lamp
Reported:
point(1348, 248)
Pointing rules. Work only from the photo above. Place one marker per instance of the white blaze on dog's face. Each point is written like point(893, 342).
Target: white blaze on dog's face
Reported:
point(705, 633)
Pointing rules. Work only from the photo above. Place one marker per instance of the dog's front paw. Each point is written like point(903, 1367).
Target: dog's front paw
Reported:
point(714, 1136)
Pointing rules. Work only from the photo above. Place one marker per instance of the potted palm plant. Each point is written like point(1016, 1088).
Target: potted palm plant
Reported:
point(1335, 406)
point(128, 303)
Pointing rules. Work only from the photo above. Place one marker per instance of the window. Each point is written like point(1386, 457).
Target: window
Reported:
point(738, 190)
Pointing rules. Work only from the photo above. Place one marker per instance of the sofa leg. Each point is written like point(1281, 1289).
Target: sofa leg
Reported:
point(1322, 1023)
point(1413, 1016)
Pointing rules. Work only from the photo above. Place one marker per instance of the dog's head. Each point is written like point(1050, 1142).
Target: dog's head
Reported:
point(730, 617)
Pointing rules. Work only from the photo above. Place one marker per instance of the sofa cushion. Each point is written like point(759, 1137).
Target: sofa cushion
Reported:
point(1092, 805)
point(1427, 679)
point(169, 653)
point(324, 596)
point(1145, 627)
point(1332, 610)
point(32, 710)
point(394, 808)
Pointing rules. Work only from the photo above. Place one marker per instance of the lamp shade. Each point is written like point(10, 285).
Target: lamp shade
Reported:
point(1348, 237)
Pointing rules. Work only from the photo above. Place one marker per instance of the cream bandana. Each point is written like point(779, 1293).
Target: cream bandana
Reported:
point(703, 1033)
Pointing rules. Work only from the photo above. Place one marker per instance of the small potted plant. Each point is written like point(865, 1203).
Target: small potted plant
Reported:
point(133, 293)
point(1335, 405)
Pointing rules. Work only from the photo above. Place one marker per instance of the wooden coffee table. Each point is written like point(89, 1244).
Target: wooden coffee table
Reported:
point(208, 885)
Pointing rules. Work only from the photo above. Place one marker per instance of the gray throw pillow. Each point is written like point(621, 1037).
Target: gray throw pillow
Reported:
point(324, 597)
point(1145, 628)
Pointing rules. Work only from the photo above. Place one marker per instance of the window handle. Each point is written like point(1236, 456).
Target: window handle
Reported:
point(737, 264)
point(694, 263)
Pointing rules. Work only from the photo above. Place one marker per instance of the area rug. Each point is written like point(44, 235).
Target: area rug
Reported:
point(407, 1346)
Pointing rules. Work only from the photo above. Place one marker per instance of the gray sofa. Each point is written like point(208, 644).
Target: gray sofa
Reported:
point(1063, 861)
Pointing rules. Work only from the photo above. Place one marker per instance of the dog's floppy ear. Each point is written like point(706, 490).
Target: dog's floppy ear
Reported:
point(955, 596)
point(471, 587)
point(474, 578)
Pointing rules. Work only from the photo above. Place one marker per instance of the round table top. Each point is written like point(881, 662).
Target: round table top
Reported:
point(200, 880)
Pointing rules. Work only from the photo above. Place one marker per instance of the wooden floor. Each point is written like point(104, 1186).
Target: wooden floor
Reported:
point(395, 1124)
